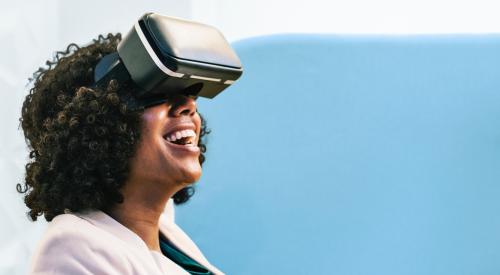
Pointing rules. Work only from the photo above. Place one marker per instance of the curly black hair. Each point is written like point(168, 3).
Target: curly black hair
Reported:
point(80, 137)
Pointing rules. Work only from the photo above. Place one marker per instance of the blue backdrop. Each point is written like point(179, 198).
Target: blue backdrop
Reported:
point(354, 155)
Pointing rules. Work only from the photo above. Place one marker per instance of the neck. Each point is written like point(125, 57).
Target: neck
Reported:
point(141, 209)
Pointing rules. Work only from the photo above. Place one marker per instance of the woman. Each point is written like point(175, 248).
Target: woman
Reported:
point(106, 175)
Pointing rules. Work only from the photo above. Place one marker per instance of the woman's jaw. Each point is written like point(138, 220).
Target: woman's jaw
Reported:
point(168, 152)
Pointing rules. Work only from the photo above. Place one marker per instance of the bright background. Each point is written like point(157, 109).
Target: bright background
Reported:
point(31, 31)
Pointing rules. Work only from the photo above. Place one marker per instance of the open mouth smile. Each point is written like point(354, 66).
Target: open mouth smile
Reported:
point(183, 139)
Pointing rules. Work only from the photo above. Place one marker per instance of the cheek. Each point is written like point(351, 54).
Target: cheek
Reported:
point(152, 118)
point(197, 121)
point(143, 155)
point(151, 136)
point(147, 148)
point(150, 159)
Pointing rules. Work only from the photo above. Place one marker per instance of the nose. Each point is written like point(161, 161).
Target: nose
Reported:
point(183, 105)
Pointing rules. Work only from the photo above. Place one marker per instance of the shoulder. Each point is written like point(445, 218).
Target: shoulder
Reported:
point(71, 231)
point(72, 245)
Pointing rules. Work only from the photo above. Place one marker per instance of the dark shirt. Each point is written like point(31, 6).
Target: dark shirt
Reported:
point(178, 257)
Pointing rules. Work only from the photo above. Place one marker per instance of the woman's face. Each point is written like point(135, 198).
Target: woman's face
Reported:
point(167, 153)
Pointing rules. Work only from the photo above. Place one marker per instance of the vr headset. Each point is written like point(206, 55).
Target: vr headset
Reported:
point(166, 55)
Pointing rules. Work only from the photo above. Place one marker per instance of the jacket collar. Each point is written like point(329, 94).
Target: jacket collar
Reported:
point(177, 237)
point(167, 227)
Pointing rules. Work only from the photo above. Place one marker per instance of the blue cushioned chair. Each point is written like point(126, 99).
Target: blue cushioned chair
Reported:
point(354, 155)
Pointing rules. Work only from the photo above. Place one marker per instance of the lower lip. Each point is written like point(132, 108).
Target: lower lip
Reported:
point(184, 148)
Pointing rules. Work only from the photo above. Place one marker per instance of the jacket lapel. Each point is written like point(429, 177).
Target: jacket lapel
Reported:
point(131, 240)
point(167, 227)
point(177, 237)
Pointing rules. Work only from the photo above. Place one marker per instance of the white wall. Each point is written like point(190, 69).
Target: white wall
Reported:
point(240, 19)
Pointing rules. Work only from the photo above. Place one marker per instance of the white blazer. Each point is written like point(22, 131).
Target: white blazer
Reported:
point(94, 243)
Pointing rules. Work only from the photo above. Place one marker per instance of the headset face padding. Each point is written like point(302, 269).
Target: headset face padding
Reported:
point(164, 55)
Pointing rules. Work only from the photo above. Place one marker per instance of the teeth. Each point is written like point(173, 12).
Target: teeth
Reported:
point(181, 134)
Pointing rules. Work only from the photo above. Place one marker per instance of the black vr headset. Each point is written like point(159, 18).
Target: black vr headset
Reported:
point(166, 55)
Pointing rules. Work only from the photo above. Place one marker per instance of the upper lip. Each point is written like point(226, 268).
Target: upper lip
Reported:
point(180, 127)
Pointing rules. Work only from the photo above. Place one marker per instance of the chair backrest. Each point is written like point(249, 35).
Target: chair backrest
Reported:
point(354, 155)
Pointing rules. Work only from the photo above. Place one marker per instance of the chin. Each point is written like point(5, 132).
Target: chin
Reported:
point(192, 175)
point(193, 179)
